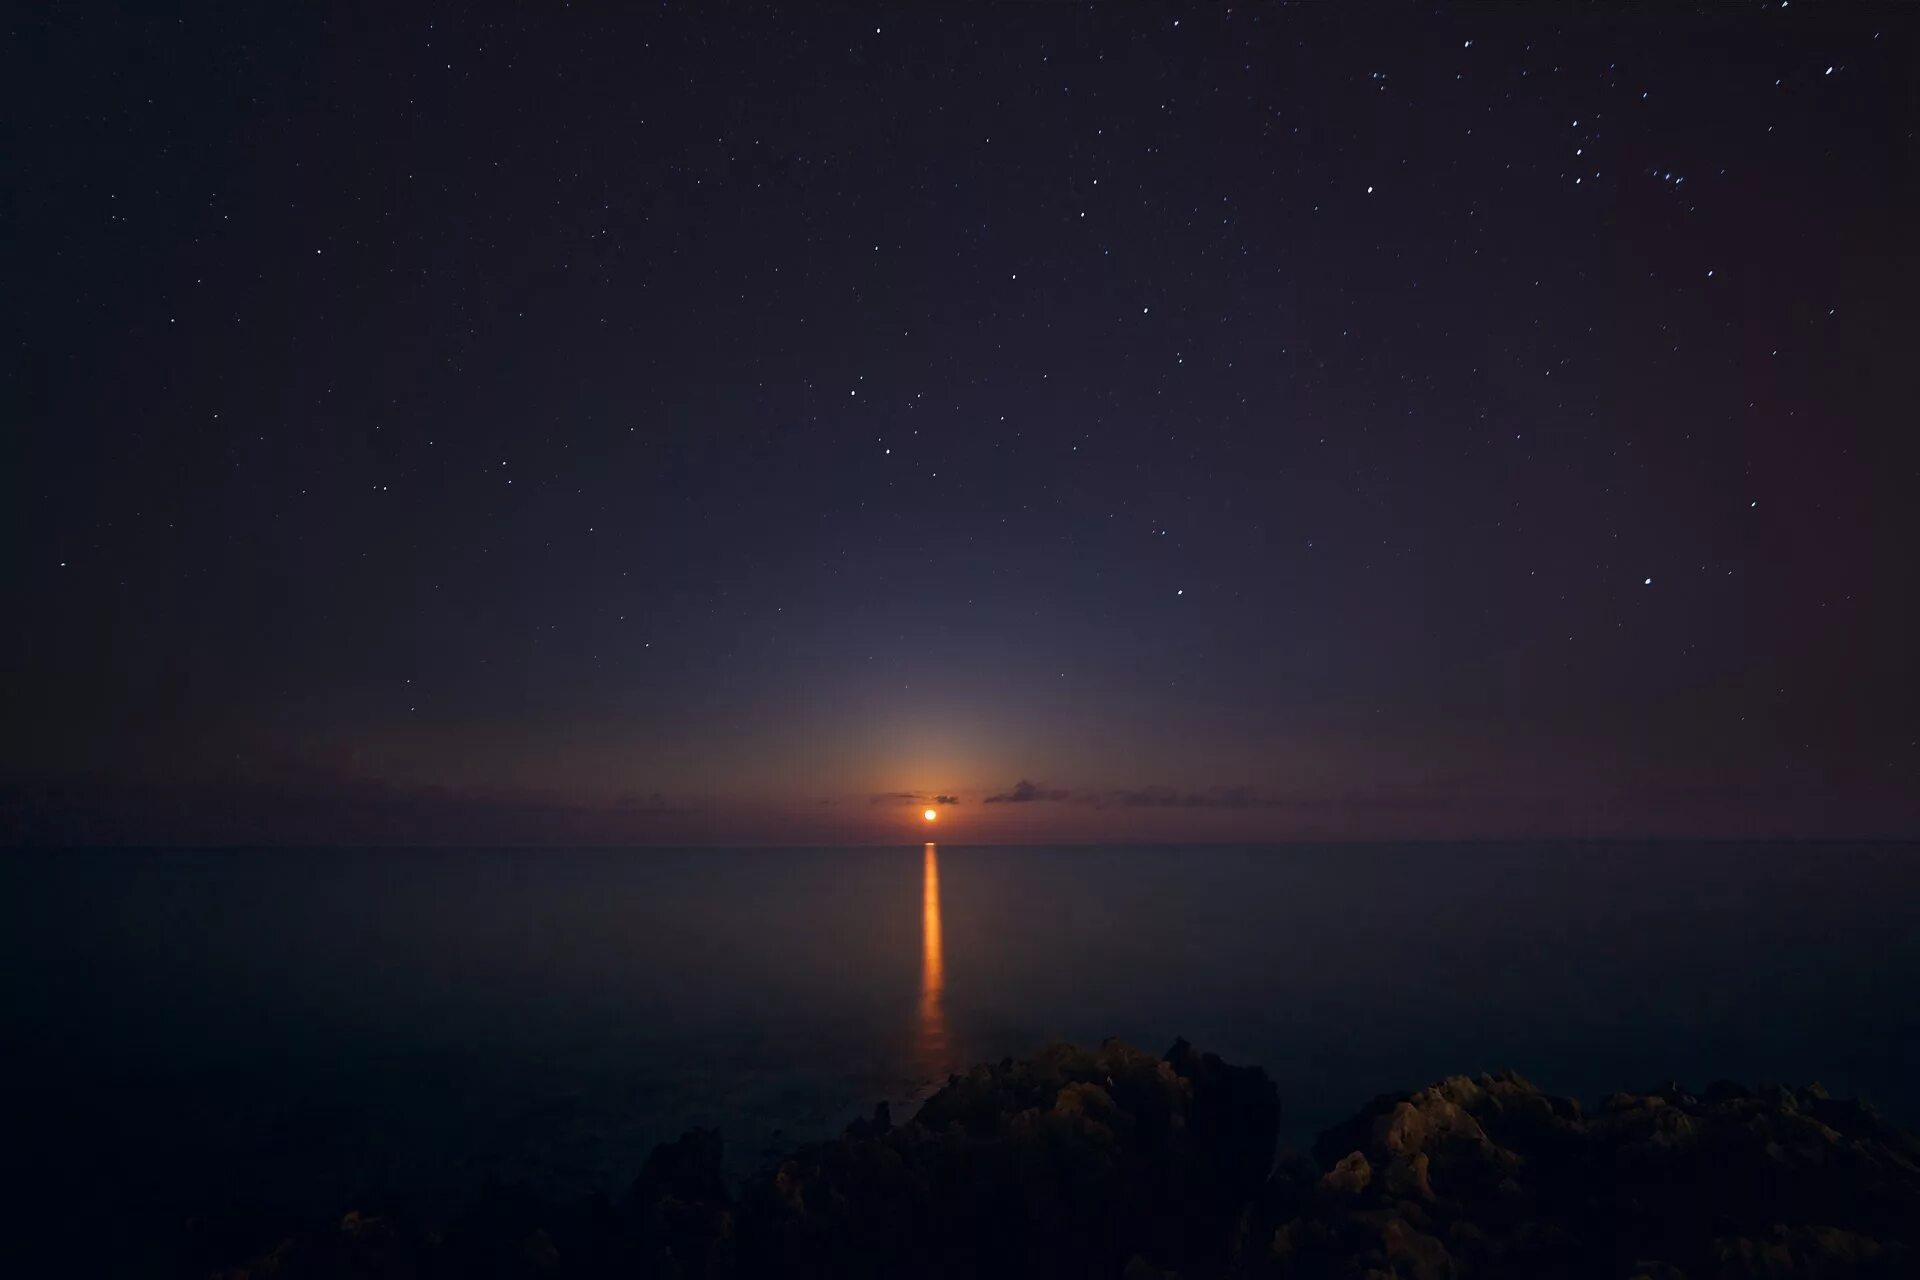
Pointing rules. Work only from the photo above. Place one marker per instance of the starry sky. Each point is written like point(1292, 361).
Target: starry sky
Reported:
point(1095, 422)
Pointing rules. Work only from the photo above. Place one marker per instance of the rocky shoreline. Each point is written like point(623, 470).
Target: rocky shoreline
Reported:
point(1113, 1163)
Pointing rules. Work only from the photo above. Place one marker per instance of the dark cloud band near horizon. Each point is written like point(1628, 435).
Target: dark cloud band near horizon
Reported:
point(355, 812)
point(913, 798)
point(1151, 797)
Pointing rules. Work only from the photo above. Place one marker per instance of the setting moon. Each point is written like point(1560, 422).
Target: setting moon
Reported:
point(930, 815)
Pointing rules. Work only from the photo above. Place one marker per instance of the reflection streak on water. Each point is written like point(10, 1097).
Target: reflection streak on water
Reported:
point(932, 1028)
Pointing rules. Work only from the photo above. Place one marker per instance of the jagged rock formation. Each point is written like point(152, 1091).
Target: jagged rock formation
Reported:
point(1490, 1177)
point(1067, 1165)
point(1112, 1163)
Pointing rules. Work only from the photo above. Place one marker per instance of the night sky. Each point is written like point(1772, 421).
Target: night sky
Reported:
point(1250, 423)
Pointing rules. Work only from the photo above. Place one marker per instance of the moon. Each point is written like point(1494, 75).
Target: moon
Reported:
point(930, 815)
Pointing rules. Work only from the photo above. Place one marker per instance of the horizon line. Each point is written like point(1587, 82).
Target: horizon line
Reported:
point(627, 846)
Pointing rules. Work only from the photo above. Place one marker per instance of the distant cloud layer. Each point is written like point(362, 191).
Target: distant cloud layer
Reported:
point(1215, 797)
point(329, 811)
point(1024, 792)
point(318, 808)
point(914, 798)
point(1172, 798)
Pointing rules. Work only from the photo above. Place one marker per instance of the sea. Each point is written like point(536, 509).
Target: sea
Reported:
point(203, 1032)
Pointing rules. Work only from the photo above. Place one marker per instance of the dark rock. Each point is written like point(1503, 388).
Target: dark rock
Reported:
point(688, 1168)
point(1112, 1163)
point(1408, 1177)
point(1074, 1163)
point(1661, 1185)
point(1234, 1120)
point(878, 1126)
point(1350, 1175)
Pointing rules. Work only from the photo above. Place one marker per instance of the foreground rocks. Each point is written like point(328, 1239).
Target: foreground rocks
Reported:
point(1490, 1177)
point(1112, 1163)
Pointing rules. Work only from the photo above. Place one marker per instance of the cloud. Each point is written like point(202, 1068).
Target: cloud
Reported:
point(914, 798)
point(1216, 797)
point(321, 810)
point(1024, 792)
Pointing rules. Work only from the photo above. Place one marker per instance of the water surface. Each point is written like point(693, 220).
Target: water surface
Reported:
point(196, 1030)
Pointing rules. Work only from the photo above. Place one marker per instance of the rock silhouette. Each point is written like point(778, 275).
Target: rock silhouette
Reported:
point(1113, 1163)
point(1490, 1177)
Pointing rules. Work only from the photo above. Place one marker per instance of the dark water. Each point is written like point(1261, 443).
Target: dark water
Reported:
point(197, 1030)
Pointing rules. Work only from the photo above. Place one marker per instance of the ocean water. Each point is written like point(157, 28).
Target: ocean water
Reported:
point(190, 1032)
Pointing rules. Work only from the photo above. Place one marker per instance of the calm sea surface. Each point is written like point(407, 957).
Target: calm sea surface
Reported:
point(198, 1030)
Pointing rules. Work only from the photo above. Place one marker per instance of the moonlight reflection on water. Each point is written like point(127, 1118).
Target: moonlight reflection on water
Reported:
point(932, 1026)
